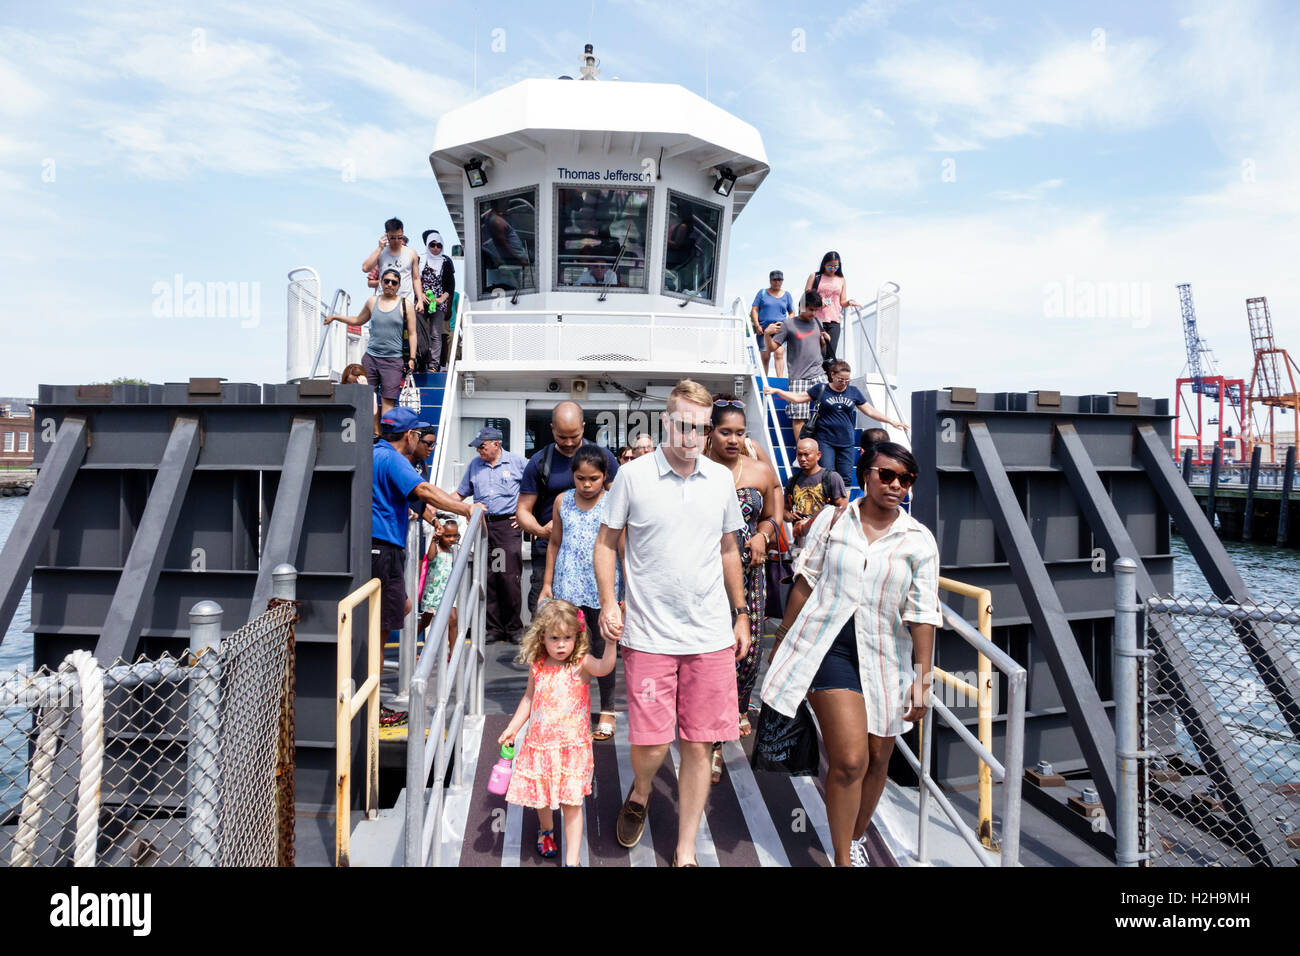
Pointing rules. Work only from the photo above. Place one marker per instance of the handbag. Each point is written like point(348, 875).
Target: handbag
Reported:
point(784, 744)
point(809, 429)
point(410, 395)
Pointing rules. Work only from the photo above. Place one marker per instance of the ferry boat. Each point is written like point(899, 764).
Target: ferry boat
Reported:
point(595, 220)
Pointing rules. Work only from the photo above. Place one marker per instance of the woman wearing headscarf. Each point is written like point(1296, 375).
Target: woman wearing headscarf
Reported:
point(439, 280)
point(861, 614)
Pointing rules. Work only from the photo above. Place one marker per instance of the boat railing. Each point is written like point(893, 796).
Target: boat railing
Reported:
point(1008, 773)
point(450, 395)
point(883, 350)
point(758, 377)
point(982, 693)
point(709, 342)
point(456, 692)
point(348, 703)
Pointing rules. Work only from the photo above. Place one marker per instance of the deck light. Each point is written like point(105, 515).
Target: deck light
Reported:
point(469, 384)
point(475, 173)
point(726, 180)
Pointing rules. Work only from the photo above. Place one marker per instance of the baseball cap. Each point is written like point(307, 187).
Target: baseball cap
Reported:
point(486, 434)
point(402, 419)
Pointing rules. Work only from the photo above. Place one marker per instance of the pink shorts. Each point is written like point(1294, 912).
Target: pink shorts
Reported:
point(691, 695)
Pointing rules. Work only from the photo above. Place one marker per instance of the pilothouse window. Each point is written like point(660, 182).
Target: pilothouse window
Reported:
point(507, 243)
point(691, 248)
point(602, 237)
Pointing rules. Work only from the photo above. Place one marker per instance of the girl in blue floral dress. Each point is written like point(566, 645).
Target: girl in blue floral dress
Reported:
point(570, 574)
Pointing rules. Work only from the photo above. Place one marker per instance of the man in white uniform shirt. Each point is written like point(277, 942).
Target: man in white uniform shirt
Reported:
point(680, 642)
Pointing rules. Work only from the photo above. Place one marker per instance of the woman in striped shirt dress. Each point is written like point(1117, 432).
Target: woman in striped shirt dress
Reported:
point(867, 576)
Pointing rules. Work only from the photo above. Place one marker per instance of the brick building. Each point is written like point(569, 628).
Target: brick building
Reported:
point(17, 443)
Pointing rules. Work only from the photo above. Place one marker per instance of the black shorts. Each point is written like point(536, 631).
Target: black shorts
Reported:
point(388, 563)
point(839, 668)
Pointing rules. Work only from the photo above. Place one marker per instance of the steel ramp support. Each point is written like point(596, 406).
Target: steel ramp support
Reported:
point(31, 532)
point(1195, 703)
point(1278, 674)
point(284, 531)
point(125, 615)
point(1055, 636)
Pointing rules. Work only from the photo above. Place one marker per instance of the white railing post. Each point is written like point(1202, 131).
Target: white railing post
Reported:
point(1126, 714)
point(203, 774)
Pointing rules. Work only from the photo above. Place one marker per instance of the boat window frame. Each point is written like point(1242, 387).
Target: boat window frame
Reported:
point(717, 251)
point(555, 239)
point(480, 275)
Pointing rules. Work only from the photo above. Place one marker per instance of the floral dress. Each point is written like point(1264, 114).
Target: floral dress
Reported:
point(554, 766)
point(751, 506)
point(575, 575)
point(435, 582)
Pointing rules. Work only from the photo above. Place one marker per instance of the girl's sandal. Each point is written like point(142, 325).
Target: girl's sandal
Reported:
point(604, 725)
point(716, 770)
point(546, 844)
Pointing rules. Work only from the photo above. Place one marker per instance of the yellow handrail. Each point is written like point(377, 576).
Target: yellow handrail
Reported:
point(349, 705)
point(983, 695)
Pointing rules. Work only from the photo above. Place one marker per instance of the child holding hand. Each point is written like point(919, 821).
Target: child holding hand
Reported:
point(554, 767)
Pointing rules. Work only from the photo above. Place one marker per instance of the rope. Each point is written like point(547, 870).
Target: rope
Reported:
point(92, 755)
point(38, 786)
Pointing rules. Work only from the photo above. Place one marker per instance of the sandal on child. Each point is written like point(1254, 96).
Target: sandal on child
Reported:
point(605, 725)
point(546, 844)
point(716, 770)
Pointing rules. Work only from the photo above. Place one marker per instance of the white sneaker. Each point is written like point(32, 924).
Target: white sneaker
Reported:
point(858, 852)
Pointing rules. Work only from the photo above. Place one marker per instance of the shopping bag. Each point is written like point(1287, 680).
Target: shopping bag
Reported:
point(784, 744)
point(410, 395)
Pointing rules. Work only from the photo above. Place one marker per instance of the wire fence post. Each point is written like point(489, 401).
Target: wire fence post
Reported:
point(203, 775)
point(1126, 714)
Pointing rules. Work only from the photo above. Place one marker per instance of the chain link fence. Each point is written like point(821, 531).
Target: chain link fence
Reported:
point(1222, 779)
point(157, 763)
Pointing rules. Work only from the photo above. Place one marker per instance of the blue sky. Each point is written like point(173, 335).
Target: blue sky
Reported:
point(986, 157)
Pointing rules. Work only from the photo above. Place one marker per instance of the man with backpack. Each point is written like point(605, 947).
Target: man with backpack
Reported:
point(811, 488)
point(548, 475)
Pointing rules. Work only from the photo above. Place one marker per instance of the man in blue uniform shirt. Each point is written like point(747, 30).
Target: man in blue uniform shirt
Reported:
point(396, 489)
point(493, 480)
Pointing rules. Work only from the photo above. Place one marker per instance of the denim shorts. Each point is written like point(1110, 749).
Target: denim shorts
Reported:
point(839, 668)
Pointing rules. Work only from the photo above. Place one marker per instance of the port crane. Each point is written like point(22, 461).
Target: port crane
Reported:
point(1203, 383)
point(1267, 392)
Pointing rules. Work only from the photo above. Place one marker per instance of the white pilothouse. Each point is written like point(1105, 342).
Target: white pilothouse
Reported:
point(595, 220)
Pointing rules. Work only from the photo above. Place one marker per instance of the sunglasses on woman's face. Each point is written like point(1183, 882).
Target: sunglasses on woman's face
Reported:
point(888, 476)
point(435, 245)
point(392, 282)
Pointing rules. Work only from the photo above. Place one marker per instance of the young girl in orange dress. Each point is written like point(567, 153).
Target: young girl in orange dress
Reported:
point(553, 768)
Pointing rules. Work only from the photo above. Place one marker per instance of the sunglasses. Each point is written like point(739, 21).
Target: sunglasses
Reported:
point(729, 403)
point(685, 427)
point(888, 476)
point(435, 245)
point(392, 281)
point(428, 444)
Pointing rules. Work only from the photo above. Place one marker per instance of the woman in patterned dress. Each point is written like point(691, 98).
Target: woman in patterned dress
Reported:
point(867, 575)
point(759, 493)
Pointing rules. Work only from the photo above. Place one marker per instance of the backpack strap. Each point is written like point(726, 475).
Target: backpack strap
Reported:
point(826, 485)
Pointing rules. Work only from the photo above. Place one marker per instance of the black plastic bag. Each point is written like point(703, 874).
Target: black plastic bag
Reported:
point(786, 744)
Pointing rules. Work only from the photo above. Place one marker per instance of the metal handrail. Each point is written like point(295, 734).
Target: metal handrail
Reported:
point(339, 306)
point(1008, 772)
point(759, 376)
point(858, 315)
point(349, 704)
point(430, 752)
point(982, 695)
point(450, 393)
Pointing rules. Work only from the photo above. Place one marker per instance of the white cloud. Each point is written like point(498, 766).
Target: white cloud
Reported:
point(967, 98)
point(866, 16)
point(1031, 194)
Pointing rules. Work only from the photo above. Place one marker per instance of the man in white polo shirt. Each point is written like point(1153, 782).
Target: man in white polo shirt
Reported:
point(687, 623)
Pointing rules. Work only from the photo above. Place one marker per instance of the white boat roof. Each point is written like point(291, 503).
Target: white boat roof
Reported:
point(609, 116)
